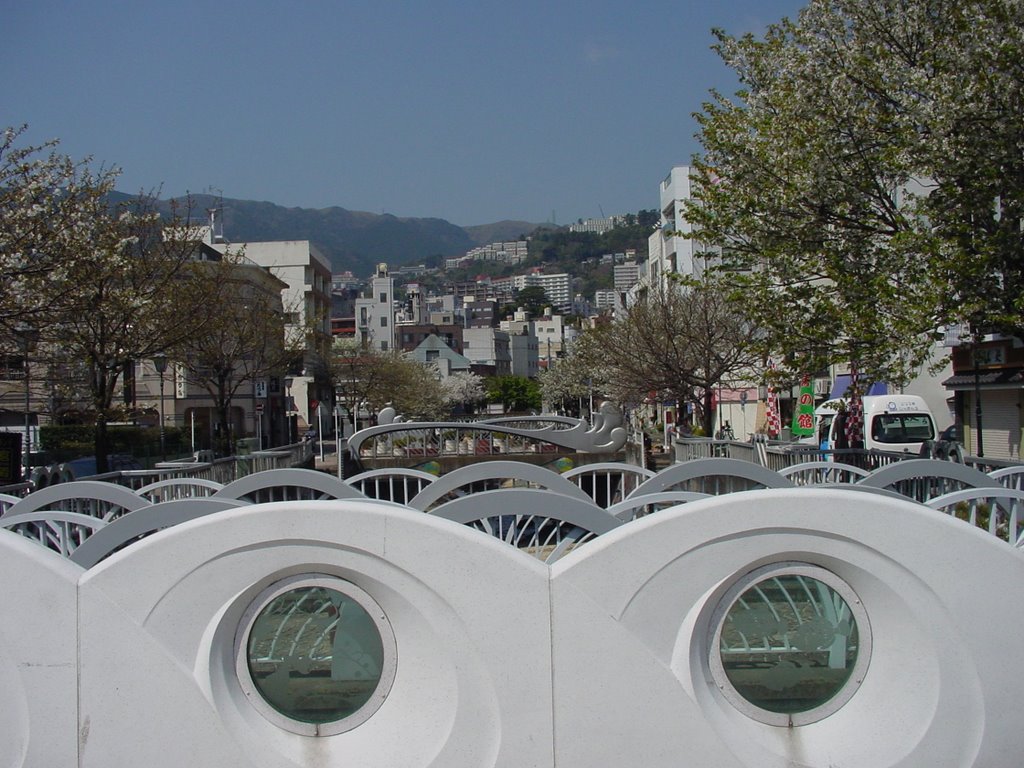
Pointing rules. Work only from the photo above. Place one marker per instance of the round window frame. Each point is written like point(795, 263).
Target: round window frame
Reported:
point(389, 665)
point(834, 703)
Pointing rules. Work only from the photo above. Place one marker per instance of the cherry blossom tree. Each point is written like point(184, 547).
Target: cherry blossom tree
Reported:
point(462, 388)
point(125, 297)
point(866, 180)
point(51, 208)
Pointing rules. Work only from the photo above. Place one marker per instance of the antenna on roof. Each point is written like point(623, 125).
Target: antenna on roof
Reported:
point(216, 214)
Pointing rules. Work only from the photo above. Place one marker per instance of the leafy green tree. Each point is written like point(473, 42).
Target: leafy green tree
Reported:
point(515, 393)
point(865, 183)
point(533, 299)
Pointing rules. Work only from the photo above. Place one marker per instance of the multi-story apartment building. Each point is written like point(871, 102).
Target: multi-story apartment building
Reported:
point(625, 276)
point(505, 253)
point(413, 309)
point(523, 350)
point(307, 303)
point(607, 300)
point(548, 332)
point(514, 252)
point(375, 313)
point(597, 226)
point(480, 313)
point(674, 248)
point(558, 288)
point(488, 347)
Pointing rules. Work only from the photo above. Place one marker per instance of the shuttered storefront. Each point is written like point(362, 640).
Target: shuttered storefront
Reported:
point(1000, 423)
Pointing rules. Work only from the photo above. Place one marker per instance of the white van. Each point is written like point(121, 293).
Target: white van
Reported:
point(894, 423)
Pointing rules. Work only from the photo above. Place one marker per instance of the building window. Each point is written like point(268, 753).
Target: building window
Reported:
point(383, 298)
point(384, 321)
point(315, 655)
point(791, 644)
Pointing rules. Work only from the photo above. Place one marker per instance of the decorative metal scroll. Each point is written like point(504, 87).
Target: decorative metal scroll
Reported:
point(505, 435)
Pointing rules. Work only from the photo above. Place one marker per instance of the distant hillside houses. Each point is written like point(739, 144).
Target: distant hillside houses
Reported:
point(597, 226)
point(503, 253)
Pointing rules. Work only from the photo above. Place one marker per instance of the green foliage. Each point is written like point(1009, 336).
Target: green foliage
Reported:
point(533, 299)
point(866, 182)
point(65, 442)
point(515, 393)
point(578, 253)
point(354, 240)
point(375, 379)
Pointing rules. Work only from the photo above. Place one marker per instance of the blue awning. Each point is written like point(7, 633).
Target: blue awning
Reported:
point(842, 383)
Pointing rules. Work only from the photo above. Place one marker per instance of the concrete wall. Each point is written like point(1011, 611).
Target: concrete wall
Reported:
point(601, 659)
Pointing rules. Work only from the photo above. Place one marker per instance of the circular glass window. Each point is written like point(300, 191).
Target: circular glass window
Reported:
point(315, 654)
point(791, 644)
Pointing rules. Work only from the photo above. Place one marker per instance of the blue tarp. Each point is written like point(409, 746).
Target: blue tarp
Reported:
point(842, 383)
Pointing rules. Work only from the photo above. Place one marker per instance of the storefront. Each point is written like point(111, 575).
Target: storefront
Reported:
point(988, 388)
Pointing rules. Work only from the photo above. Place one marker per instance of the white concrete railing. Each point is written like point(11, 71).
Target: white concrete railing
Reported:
point(64, 517)
point(651, 644)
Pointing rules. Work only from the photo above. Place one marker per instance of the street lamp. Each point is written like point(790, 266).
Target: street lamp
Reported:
point(27, 339)
point(160, 362)
point(978, 360)
point(288, 406)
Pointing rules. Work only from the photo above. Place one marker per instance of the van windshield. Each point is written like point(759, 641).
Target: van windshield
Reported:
point(902, 428)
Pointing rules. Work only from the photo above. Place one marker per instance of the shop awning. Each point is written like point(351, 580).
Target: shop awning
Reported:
point(1004, 378)
point(842, 383)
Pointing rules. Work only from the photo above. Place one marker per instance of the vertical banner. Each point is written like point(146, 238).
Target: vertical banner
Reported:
point(178, 372)
point(855, 411)
point(803, 416)
point(773, 425)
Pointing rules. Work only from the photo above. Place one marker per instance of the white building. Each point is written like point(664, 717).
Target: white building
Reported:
point(375, 315)
point(523, 350)
point(488, 346)
point(626, 276)
point(596, 226)
point(607, 300)
point(673, 247)
point(558, 288)
point(513, 252)
point(307, 305)
point(549, 332)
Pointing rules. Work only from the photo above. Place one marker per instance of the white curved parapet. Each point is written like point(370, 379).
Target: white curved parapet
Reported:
point(762, 629)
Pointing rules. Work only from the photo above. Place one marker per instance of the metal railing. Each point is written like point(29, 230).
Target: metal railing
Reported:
point(221, 471)
point(778, 456)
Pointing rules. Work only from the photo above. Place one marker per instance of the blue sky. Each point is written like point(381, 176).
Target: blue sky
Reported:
point(471, 112)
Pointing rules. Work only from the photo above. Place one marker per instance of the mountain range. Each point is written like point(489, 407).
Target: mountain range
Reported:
point(352, 240)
